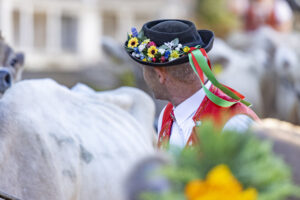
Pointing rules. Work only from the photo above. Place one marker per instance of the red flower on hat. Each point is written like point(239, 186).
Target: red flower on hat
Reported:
point(154, 59)
point(163, 59)
point(151, 44)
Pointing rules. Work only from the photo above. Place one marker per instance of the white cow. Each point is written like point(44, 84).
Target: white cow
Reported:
point(241, 71)
point(63, 144)
point(264, 65)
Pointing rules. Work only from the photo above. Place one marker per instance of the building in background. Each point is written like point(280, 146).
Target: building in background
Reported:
point(66, 34)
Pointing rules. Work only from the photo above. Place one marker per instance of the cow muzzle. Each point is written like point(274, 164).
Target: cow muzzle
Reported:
point(5, 80)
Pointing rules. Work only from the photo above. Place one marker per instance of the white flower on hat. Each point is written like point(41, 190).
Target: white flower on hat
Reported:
point(179, 46)
point(170, 45)
point(161, 51)
point(142, 47)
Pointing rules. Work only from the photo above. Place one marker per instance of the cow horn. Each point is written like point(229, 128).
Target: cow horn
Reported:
point(1, 38)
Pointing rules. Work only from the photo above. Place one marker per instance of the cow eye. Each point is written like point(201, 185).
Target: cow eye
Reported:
point(13, 62)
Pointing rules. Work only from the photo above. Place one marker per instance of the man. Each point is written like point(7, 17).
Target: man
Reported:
point(274, 13)
point(174, 60)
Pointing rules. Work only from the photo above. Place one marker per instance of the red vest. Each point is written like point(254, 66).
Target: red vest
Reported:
point(207, 110)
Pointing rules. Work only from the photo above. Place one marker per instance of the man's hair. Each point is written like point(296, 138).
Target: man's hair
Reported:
point(183, 73)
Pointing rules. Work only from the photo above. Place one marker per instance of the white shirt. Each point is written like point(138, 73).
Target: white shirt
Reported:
point(183, 125)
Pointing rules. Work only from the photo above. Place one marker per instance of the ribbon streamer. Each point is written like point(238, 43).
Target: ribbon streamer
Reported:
point(201, 65)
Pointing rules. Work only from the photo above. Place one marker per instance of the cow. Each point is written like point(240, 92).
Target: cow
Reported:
point(286, 141)
point(71, 144)
point(264, 65)
point(11, 66)
point(240, 71)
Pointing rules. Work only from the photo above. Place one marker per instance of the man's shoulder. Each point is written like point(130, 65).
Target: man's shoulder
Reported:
point(239, 123)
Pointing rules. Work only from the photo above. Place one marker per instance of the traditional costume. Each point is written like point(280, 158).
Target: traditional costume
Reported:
point(165, 43)
point(180, 121)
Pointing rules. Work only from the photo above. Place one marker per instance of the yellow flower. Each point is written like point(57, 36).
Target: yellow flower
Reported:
point(144, 59)
point(186, 49)
point(195, 188)
point(249, 194)
point(152, 51)
point(130, 35)
point(133, 42)
point(174, 54)
point(221, 176)
point(219, 184)
point(146, 41)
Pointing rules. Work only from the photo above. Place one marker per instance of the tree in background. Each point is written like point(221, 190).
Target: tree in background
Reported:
point(216, 15)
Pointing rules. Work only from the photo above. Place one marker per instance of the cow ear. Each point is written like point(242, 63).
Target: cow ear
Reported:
point(20, 58)
point(1, 38)
point(223, 61)
point(220, 64)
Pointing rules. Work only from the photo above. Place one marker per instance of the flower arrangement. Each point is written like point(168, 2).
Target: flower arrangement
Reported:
point(219, 184)
point(142, 48)
point(227, 166)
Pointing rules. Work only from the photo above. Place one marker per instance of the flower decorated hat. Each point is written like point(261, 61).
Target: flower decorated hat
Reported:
point(166, 42)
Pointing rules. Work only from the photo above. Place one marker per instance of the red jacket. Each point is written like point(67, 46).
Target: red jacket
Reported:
point(207, 110)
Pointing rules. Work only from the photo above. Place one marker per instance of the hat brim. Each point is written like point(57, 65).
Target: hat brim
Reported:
point(207, 37)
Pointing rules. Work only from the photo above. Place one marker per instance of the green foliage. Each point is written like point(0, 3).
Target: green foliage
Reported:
point(141, 36)
point(127, 79)
point(216, 16)
point(251, 161)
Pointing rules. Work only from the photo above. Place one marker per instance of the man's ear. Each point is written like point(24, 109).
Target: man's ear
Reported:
point(161, 74)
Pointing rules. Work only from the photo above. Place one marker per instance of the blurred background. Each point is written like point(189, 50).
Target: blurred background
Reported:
point(81, 41)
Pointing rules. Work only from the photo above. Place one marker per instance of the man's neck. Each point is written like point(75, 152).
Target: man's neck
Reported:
point(179, 95)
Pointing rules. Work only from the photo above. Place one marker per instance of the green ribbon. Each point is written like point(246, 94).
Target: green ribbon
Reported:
point(201, 59)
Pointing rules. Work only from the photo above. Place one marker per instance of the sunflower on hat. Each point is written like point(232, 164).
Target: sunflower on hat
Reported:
point(151, 52)
point(141, 47)
point(133, 42)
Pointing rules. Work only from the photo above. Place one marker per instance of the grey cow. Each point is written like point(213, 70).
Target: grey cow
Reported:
point(11, 66)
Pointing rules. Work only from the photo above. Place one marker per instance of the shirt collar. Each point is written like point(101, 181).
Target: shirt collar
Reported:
point(189, 106)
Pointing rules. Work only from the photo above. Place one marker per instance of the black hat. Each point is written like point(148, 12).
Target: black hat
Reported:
point(166, 30)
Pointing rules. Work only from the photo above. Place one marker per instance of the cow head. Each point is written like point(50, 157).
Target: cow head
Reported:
point(144, 177)
point(11, 66)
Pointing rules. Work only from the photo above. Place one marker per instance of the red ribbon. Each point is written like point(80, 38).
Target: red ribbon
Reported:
point(200, 72)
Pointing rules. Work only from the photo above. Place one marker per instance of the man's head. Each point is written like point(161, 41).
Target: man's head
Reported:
point(162, 47)
point(164, 80)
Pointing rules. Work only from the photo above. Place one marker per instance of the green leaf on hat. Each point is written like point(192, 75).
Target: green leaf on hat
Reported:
point(175, 41)
point(145, 51)
point(129, 49)
point(141, 36)
point(163, 47)
point(158, 55)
